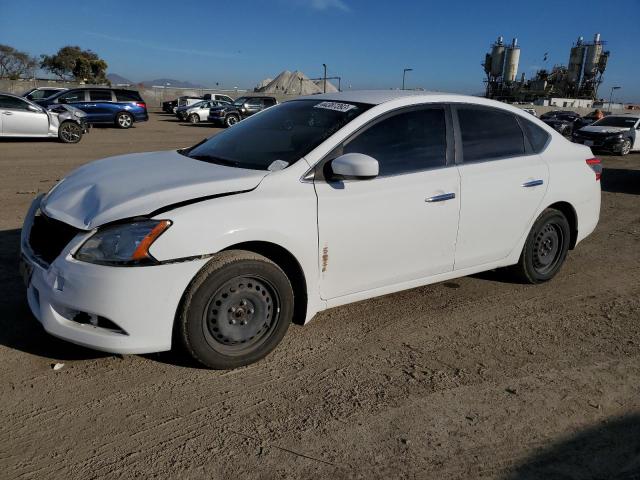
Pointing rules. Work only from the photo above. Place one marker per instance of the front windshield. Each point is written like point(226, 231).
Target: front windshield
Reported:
point(624, 122)
point(285, 132)
point(240, 101)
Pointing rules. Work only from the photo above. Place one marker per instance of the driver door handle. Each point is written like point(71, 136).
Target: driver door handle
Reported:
point(532, 183)
point(7, 113)
point(440, 198)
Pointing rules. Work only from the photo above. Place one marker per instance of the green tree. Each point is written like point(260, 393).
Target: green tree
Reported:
point(71, 62)
point(15, 64)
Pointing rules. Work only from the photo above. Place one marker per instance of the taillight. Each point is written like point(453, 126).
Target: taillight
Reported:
point(596, 166)
point(141, 104)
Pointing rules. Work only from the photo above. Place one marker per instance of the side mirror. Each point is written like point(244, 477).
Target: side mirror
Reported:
point(355, 166)
point(33, 108)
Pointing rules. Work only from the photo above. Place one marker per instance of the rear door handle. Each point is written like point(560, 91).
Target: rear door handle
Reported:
point(440, 198)
point(7, 113)
point(532, 183)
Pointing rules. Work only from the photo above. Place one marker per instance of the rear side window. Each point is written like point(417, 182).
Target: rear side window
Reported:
point(73, 96)
point(100, 95)
point(538, 138)
point(406, 142)
point(488, 133)
point(128, 96)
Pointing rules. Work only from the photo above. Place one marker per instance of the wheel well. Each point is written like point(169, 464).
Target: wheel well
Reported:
point(291, 267)
point(569, 212)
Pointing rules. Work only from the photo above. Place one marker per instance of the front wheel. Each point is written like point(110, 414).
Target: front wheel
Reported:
point(231, 120)
point(546, 248)
point(70, 132)
point(625, 148)
point(124, 120)
point(235, 311)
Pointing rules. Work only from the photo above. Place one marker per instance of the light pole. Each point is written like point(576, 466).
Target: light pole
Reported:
point(324, 81)
point(611, 96)
point(404, 73)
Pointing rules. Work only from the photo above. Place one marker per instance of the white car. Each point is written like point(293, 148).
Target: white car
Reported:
point(23, 118)
point(318, 202)
point(618, 134)
point(198, 112)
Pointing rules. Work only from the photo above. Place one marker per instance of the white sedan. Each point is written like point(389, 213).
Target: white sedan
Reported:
point(318, 202)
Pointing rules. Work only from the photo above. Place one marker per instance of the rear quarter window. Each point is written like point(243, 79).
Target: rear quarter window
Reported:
point(128, 96)
point(536, 135)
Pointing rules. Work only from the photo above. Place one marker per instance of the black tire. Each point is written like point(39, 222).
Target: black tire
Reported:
point(124, 120)
point(70, 132)
point(625, 148)
point(231, 120)
point(235, 311)
point(194, 118)
point(546, 248)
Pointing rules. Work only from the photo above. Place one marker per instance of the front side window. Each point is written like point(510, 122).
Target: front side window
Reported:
point(488, 133)
point(406, 142)
point(285, 132)
point(100, 95)
point(72, 96)
point(13, 103)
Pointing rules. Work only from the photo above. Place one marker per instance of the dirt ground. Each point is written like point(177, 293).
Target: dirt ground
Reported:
point(472, 378)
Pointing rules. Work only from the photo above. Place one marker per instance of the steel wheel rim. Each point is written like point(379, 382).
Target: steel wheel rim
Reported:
point(548, 247)
point(626, 147)
point(124, 120)
point(70, 132)
point(241, 315)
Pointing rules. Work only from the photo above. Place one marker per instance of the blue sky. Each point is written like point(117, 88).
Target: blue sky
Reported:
point(366, 42)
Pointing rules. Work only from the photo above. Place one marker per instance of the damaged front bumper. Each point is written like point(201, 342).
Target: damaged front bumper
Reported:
point(113, 309)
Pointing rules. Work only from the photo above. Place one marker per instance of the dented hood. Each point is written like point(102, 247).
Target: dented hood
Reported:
point(604, 129)
point(138, 184)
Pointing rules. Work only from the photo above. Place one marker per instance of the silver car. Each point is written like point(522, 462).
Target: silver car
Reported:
point(20, 117)
point(198, 112)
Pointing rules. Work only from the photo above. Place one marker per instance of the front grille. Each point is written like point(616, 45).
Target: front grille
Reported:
point(48, 237)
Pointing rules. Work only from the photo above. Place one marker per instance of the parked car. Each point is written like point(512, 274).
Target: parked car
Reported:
point(170, 106)
point(318, 202)
point(217, 96)
point(41, 93)
point(104, 105)
point(588, 120)
point(560, 120)
point(241, 108)
point(186, 101)
point(20, 117)
point(198, 112)
point(531, 111)
point(616, 133)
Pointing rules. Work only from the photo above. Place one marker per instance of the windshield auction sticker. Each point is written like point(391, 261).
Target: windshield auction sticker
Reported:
point(336, 106)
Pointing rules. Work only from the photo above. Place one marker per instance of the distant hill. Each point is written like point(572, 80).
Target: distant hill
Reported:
point(116, 79)
point(172, 83)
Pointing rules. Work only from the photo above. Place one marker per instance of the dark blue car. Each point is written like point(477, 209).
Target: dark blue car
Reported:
point(104, 105)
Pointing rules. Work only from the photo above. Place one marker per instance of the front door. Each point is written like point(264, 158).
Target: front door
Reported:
point(502, 185)
point(400, 226)
point(19, 118)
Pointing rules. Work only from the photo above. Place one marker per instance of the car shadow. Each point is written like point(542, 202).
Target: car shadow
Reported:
point(620, 180)
point(19, 330)
point(610, 449)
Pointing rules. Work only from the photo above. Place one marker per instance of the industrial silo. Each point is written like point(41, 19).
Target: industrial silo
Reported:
point(512, 58)
point(592, 58)
point(576, 58)
point(497, 57)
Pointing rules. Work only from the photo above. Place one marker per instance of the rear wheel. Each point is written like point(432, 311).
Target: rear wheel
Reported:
point(626, 147)
point(194, 118)
point(124, 120)
point(70, 132)
point(546, 248)
point(236, 310)
point(231, 120)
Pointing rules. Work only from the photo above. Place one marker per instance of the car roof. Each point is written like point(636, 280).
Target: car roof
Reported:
point(376, 97)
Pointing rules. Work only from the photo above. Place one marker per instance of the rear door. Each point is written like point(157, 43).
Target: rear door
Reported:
point(400, 226)
point(100, 106)
point(502, 182)
point(19, 120)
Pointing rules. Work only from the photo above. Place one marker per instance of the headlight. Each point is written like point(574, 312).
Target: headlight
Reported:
point(126, 244)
